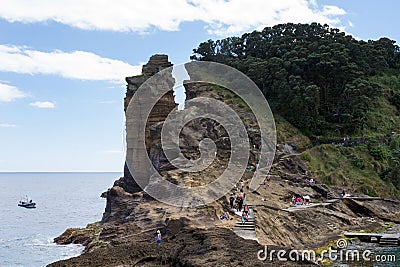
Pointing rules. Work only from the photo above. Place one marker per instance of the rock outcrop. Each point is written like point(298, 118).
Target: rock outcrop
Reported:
point(196, 236)
point(158, 114)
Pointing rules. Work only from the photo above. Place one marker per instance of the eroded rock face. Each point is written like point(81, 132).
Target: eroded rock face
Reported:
point(156, 63)
point(158, 114)
point(191, 247)
point(195, 236)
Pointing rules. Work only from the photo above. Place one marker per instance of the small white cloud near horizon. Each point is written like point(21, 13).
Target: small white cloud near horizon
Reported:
point(221, 17)
point(43, 104)
point(7, 125)
point(79, 65)
point(9, 93)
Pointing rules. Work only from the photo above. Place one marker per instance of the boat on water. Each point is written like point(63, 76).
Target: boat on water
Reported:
point(25, 203)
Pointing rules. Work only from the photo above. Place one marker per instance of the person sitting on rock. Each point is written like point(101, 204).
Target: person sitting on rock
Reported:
point(225, 216)
point(267, 180)
point(298, 201)
point(306, 199)
point(293, 199)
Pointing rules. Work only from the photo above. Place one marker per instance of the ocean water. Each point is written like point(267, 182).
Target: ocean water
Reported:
point(63, 200)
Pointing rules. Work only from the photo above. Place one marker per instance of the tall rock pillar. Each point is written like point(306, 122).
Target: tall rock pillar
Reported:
point(159, 112)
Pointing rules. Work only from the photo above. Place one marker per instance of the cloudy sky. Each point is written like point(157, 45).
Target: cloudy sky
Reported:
point(63, 63)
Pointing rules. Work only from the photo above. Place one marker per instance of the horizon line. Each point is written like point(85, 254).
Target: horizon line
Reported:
point(61, 171)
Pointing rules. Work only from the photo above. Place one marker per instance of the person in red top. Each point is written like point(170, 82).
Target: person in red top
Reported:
point(246, 209)
point(244, 217)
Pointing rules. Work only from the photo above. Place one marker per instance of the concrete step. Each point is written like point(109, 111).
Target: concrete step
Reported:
point(243, 229)
point(246, 223)
point(248, 229)
point(244, 226)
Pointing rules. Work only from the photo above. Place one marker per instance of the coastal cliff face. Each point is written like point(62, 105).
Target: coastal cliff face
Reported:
point(196, 236)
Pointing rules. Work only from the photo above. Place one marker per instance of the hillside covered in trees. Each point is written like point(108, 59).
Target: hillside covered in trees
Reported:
point(318, 78)
point(328, 85)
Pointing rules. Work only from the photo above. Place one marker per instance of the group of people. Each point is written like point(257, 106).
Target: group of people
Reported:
point(245, 213)
point(310, 181)
point(344, 195)
point(238, 202)
point(305, 200)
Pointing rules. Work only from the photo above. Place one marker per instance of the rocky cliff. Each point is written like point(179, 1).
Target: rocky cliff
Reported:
point(196, 236)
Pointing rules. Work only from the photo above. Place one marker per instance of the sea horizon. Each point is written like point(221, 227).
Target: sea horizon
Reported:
point(63, 200)
point(6, 172)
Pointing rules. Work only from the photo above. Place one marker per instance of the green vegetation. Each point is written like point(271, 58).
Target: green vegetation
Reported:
point(229, 97)
point(322, 85)
point(319, 79)
point(287, 133)
point(365, 169)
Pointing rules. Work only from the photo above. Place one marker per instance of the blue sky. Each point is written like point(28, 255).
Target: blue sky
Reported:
point(63, 64)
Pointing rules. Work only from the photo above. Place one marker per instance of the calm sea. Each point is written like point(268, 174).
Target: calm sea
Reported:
point(67, 200)
point(63, 200)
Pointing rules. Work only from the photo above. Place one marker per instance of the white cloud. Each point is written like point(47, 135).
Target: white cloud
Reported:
point(223, 17)
point(9, 93)
point(74, 65)
point(43, 104)
point(7, 125)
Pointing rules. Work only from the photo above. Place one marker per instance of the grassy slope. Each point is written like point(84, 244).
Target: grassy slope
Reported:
point(353, 167)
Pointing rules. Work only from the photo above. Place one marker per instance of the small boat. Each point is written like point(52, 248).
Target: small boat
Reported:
point(25, 203)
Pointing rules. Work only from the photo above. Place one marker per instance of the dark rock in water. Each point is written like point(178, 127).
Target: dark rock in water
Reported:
point(82, 236)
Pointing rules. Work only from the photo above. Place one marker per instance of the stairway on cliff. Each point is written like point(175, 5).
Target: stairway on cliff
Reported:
point(248, 229)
